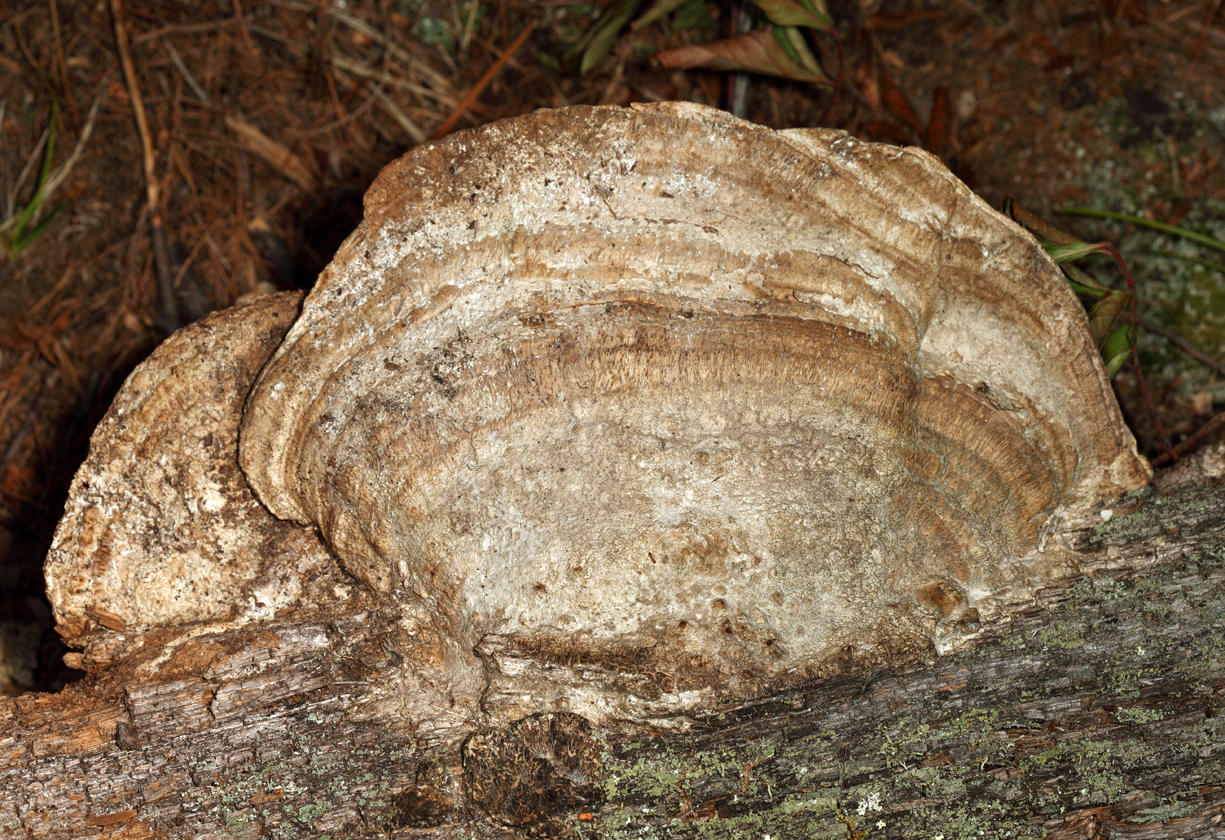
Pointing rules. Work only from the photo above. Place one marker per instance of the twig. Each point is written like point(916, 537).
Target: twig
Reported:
point(439, 80)
point(202, 28)
point(11, 385)
point(52, 294)
point(168, 319)
point(27, 423)
point(1211, 427)
point(1135, 356)
point(410, 128)
point(191, 82)
point(738, 83)
point(277, 155)
point(60, 64)
point(356, 68)
point(482, 83)
point(242, 25)
point(1182, 344)
point(1194, 53)
point(61, 172)
point(10, 198)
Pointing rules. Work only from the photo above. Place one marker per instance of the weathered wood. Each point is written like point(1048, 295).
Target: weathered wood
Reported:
point(1096, 712)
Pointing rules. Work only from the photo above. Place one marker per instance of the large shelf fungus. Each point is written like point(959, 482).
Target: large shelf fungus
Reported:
point(656, 391)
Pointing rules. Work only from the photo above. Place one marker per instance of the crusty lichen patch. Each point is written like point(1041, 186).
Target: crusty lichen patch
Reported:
point(310, 794)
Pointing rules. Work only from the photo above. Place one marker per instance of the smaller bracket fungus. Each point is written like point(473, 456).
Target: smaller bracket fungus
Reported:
point(160, 529)
point(656, 390)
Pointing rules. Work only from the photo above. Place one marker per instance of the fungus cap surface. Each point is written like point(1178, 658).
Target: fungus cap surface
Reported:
point(657, 384)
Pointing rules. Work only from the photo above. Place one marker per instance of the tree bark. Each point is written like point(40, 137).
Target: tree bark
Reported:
point(1095, 712)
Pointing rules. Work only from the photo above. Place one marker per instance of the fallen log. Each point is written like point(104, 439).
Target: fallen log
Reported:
point(600, 489)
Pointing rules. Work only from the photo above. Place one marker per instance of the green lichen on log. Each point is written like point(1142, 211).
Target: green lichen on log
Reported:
point(310, 789)
point(1049, 717)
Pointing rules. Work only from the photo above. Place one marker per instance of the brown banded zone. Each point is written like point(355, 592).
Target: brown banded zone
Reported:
point(493, 478)
point(561, 346)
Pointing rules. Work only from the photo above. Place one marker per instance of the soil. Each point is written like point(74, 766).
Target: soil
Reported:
point(267, 120)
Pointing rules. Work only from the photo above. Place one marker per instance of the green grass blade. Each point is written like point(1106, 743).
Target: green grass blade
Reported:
point(797, 13)
point(1173, 230)
point(23, 234)
point(657, 10)
point(605, 33)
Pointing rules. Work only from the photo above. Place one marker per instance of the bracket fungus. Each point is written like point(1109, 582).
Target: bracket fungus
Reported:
point(654, 390)
point(160, 529)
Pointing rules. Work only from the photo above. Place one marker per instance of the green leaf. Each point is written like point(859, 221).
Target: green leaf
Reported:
point(1074, 250)
point(600, 40)
point(1104, 313)
point(793, 43)
point(657, 10)
point(1084, 284)
point(810, 13)
point(1117, 349)
point(760, 51)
